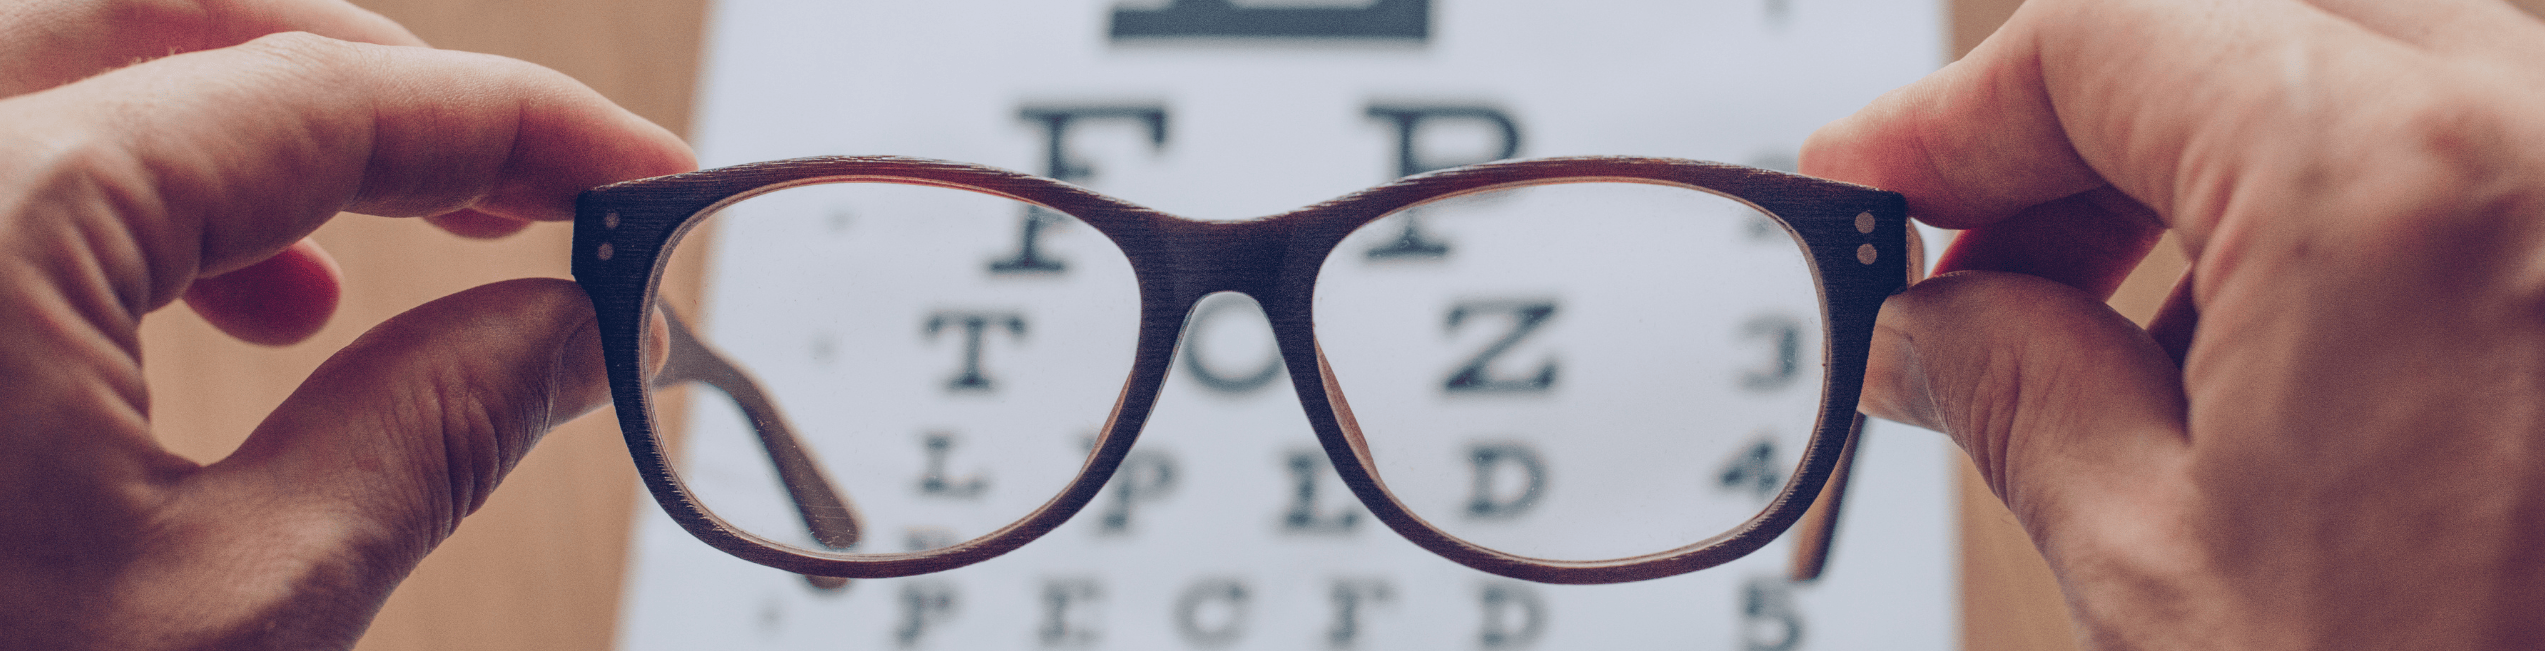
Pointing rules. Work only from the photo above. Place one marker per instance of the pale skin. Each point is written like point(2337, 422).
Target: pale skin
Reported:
point(2326, 441)
point(2351, 450)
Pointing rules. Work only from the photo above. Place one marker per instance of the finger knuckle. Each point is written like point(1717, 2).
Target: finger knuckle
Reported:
point(2463, 152)
point(307, 65)
point(2436, 179)
point(302, 48)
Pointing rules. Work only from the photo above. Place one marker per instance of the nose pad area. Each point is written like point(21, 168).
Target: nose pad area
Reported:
point(1228, 347)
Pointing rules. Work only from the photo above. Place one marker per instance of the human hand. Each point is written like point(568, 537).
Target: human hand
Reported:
point(2350, 452)
point(195, 174)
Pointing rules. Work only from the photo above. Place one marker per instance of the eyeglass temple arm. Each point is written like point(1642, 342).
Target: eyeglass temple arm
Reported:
point(827, 515)
point(1820, 522)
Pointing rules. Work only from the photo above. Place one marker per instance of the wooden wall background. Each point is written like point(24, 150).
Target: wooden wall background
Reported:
point(539, 567)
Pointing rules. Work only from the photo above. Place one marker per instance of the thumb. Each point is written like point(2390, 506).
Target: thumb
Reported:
point(2067, 408)
point(376, 458)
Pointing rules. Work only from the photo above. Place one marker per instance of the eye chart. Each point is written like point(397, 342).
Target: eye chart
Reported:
point(1226, 527)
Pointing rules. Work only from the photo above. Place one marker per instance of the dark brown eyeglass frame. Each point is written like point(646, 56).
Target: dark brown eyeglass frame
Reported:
point(1857, 239)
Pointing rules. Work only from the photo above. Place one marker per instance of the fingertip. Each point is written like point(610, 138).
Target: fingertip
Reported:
point(580, 382)
point(1896, 387)
point(279, 301)
point(658, 343)
point(577, 141)
point(1856, 148)
point(446, 398)
point(476, 225)
point(1887, 145)
point(1968, 145)
point(535, 315)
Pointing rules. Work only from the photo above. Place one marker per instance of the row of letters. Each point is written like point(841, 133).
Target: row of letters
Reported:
point(1521, 319)
point(1509, 479)
point(1216, 612)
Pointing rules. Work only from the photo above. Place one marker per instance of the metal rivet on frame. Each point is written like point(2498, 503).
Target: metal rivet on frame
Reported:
point(1864, 254)
point(611, 220)
point(605, 252)
point(1864, 221)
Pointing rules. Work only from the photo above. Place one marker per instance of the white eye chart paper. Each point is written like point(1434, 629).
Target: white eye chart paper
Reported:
point(1226, 528)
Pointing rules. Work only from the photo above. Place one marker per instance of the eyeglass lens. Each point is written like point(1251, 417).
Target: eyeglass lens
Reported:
point(1598, 371)
point(948, 383)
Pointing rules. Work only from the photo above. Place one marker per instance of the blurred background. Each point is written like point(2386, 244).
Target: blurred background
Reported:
point(571, 555)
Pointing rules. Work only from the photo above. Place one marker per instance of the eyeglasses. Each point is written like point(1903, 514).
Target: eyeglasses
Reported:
point(1566, 370)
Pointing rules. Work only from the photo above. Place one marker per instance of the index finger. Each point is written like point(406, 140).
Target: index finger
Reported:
point(2171, 102)
point(47, 43)
point(212, 160)
point(1969, 145)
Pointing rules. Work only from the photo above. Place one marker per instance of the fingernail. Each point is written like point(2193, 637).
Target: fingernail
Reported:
point(580, 381)
point(658, 342)
point(1896, 385)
